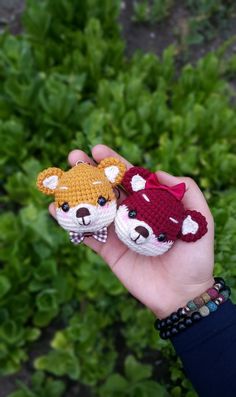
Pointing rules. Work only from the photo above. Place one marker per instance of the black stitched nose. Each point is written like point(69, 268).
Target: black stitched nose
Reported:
point(142, 230)
point(81, 212)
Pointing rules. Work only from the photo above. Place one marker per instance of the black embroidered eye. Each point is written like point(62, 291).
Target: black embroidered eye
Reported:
point(132, 214)
point(161, 237)
point(102, 201)
point(65, 207)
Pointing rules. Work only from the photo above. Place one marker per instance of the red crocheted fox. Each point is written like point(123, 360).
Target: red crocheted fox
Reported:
point(152, 217)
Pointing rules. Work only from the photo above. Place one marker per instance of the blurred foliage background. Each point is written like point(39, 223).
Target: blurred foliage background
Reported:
point(67, 326)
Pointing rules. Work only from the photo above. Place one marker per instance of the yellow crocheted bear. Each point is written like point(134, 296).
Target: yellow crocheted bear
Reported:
point(84, 197)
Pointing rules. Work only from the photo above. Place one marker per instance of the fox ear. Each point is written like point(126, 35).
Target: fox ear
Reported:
point(194, 226)
point(48, 179)
point(135, 179)
point(114, 170)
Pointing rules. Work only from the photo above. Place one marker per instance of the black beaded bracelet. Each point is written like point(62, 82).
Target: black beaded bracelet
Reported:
point(181, 319)
point(181, 326)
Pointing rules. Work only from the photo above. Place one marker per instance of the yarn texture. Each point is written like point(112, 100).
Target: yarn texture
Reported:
point(153, 217)
point(84, 197)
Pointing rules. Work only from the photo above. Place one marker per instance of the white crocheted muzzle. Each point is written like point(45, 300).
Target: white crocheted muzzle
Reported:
point(138, 235)
point(87, 217)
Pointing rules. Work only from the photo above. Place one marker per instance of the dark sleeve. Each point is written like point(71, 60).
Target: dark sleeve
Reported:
point(208, 352)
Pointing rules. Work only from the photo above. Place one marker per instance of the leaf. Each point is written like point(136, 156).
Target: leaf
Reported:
point(149, 388)
point(60, 342)
point(11, 331)
point(37, 222)
point(37, 19)
point(59, 363)
point(5, 285)
point(47, 300)
point(21, 393)
point(114, 383)
point(136, 371)
point(32, 334)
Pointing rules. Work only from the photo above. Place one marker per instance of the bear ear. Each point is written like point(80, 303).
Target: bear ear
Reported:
point(135, 179)
point(114, 170)
point(194, 226)
point(48, 179)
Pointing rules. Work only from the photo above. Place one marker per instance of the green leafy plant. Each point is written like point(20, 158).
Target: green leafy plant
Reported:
point(42, 386)
point(141, 11)
point(160, 9)
point(208, 17)
point(145, 11)
point(136, 381)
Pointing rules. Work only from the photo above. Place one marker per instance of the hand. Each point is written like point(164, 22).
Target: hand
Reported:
point(163, 283)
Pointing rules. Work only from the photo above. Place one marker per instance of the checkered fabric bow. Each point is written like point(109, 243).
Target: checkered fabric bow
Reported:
point(100, 235)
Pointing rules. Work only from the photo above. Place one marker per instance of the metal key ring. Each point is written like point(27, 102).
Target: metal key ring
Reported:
point(81, 162)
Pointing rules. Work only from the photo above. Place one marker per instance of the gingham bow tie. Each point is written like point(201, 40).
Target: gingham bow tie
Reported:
point(100, 235)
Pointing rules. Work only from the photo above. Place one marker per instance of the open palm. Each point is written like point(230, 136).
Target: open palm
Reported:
point(162, 283)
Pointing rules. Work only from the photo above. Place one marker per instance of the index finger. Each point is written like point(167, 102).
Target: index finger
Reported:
point(78, 155)
point(99, 152)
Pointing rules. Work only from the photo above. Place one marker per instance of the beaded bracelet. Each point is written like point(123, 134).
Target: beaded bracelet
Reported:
point(185, 317)
point(191, 305)
point(194, 317)
point(211, 293)
point(203, 312)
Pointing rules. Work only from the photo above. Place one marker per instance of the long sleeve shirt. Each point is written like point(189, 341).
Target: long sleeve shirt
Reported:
point(208, 352)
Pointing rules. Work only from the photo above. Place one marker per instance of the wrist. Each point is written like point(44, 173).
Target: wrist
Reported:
point(177, 297)
point(194, 310)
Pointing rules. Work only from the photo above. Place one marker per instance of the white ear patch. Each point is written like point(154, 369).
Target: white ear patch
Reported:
point(111, 172)
point(51, 182)
point(137, 183)
point(189, 226)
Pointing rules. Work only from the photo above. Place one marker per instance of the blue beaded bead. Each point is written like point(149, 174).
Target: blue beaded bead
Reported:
point(191, 305)
point(212, 306)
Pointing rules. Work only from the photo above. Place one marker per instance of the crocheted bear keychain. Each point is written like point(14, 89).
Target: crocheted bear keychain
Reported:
point(84, 197)
point(152, 217)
